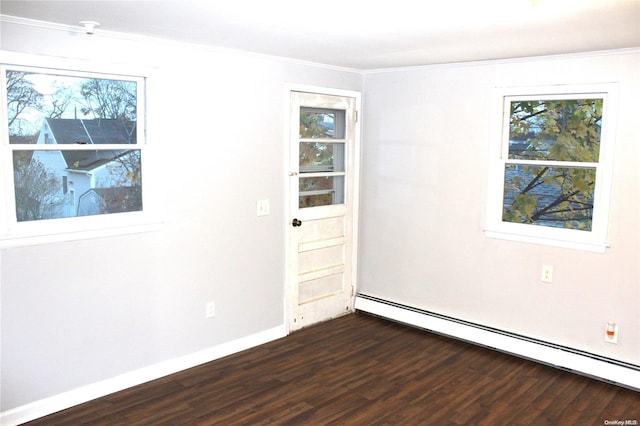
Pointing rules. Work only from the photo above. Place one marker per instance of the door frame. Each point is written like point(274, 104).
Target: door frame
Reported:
point(289, 282)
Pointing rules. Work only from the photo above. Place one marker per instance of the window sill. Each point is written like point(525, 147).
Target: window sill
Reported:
point(12, 241)
point(574, 245)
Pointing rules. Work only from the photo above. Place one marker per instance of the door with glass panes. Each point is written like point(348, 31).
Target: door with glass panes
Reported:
point(322, 183)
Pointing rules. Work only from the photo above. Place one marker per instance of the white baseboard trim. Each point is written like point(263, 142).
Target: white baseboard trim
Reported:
point(595, 366)
point(87, 393)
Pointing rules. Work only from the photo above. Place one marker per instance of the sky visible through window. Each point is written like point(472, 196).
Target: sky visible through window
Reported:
point(71, 110)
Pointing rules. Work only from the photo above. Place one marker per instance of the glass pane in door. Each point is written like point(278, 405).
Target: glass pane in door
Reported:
point(321, 191)
point(321, 157)
point(322, 123)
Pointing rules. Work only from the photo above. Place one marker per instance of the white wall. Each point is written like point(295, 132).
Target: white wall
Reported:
point(80, 312)
point(424, 192)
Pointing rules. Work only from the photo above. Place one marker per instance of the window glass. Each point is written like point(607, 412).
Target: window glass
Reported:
point(321, 191)
point(42, 180)
point(66, 109)
point(67, 132)
point(319, 156)
point(542, 134)
point(322, 157)
point(560, 130)
point(560, 197)
point(552, 163)
point(322, 123)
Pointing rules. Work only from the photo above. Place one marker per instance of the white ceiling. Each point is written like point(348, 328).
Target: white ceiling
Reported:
point(362, 34)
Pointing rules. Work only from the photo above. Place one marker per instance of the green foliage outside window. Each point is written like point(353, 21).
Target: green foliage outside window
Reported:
point(317, 157)
point(550, 170)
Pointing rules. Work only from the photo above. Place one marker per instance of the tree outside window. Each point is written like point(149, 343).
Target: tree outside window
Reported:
point(551, 168)
point(73, 137)
point(553, 154)
point(322, 149)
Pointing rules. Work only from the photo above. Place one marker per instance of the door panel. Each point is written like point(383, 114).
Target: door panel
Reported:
point(321, 287)
point(320, 259)
point(321, 207)
point(323, 229)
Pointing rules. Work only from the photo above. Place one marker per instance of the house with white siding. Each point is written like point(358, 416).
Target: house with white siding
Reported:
point(83, 172)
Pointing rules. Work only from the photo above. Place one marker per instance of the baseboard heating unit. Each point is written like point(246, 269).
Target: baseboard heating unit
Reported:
point(577, 361)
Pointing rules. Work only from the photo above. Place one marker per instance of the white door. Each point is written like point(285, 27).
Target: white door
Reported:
point(322, 183)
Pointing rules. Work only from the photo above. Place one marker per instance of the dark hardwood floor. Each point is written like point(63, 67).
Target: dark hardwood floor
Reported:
point(362, 370)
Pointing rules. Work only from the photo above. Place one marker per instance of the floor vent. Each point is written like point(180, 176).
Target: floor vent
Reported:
point(577, 361)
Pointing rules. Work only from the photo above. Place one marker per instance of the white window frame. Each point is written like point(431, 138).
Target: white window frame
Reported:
point(14, 233)
point(594, 240)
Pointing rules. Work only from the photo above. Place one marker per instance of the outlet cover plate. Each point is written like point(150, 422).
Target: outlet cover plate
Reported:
point(210, 310)
point(262, 207)
point(614, 338)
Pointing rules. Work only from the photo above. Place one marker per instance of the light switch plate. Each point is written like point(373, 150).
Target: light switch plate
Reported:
point(547, 274)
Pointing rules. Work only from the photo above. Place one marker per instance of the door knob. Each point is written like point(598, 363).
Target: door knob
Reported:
point(296, 222)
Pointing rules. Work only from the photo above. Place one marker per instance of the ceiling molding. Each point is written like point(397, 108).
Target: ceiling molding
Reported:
point(489, 62)
point(164, 42)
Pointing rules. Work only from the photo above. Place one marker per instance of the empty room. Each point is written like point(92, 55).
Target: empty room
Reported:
point(337, 212)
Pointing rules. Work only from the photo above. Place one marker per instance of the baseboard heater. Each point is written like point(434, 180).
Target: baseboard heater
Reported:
point(577, 361)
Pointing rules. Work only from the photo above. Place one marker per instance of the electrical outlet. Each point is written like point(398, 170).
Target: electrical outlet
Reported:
point(210, 310)
point(262, 207)
point(611, 332)
point(547, 274)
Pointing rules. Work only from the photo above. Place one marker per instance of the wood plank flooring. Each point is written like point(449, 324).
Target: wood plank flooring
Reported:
point(362, 370)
